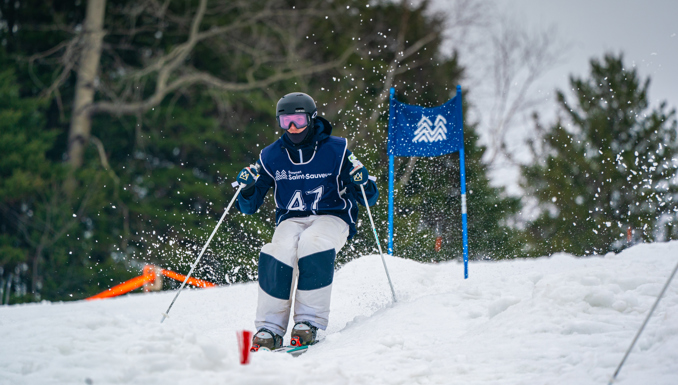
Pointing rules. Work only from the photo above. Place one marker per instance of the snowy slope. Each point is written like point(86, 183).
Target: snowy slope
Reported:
point(558, 320)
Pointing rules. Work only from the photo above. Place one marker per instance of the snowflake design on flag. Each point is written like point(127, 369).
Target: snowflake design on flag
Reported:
point(430, 132)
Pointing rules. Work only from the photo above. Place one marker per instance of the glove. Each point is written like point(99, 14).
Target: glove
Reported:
point(359, 175)
point(247, 177)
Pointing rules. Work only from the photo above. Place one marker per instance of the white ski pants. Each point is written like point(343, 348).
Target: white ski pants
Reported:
point(302, 248)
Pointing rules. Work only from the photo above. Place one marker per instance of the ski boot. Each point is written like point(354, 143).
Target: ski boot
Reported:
point(303, 334)
point(266, 340)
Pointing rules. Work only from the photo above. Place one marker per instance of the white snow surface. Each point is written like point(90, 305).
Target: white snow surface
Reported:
point(556, 320)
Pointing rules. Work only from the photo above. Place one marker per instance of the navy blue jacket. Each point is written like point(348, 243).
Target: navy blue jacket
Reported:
point(251, 199)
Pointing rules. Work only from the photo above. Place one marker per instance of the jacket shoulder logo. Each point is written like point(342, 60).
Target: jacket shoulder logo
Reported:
point(280, 175)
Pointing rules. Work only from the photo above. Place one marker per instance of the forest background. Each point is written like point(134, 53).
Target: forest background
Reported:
point(123, 124)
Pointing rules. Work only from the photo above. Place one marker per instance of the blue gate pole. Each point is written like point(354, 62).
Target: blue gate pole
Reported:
point(390, 179)
point(390, 204)
point(464, 231)
point(462, 175)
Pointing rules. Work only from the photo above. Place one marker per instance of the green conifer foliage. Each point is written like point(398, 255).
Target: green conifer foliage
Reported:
point(429, 205)
point(155, 181)
point(23, 169)
point(49, 247)
point(608, 164)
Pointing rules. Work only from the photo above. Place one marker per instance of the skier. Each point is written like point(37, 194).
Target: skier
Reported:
point(316, 182)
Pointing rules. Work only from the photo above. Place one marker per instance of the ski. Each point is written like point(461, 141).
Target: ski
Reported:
point(293, 350)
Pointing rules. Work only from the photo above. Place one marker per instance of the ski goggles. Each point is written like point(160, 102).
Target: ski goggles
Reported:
point(300, 120)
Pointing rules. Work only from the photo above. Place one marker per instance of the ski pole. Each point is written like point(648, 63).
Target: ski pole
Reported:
point(374, 229)
point(668, 282)
point(166, 314)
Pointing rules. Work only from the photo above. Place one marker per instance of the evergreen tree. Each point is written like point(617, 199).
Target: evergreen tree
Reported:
point(154, 182)
point(607, 165)
point(428, 205)
point(23, 174)
point(431, 204)
point(36, 219)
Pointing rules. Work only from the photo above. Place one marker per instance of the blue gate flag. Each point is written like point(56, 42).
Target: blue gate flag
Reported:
point(421, 131)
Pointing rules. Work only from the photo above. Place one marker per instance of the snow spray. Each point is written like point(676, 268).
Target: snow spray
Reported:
point(166, 314)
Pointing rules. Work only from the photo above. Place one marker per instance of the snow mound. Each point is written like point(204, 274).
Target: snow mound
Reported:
point(557, 320)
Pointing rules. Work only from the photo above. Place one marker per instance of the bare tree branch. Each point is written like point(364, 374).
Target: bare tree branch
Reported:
point(409, 170)
point(519, 61)
point(68, 63)
point(167, 66)
point(162, 89)
point(393, 70)
point(104, 158)
point(178, 53)
point(66, 60)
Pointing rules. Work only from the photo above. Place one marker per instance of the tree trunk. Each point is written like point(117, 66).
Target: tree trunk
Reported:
point(405, 180)
point(9, 289)
point(35, 275)
point(90, 54)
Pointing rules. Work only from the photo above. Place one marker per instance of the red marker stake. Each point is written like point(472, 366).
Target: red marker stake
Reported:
point(244, 345)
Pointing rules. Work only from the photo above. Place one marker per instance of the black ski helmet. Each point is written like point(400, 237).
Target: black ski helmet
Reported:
point(297, 102)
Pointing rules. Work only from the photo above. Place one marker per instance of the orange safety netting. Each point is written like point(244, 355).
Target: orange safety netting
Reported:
point(150, 275)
